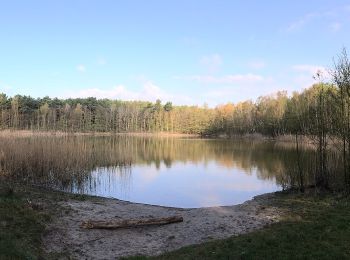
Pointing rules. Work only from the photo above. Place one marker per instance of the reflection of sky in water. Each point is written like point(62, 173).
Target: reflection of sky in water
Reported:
point(182, 185)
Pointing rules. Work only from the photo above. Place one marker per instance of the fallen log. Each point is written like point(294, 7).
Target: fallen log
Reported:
point(114, 224)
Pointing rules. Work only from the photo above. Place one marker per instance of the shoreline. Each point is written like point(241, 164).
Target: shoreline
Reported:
point(52, 133)
point(30, 133)
point(63, 234)
point(43, 223)
point(200, 225)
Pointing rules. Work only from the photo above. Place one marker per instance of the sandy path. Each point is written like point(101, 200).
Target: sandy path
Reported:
point(200, 225)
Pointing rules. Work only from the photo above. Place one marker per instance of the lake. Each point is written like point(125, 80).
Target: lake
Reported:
point(167, 171)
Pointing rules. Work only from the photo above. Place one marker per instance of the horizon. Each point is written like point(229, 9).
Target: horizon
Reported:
point(187, 53)
point(163, 102)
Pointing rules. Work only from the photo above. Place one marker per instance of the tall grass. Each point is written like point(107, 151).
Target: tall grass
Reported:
point(65, 161)
point(55, 161)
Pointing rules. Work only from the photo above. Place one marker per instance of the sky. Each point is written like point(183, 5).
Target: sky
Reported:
point(190, 52)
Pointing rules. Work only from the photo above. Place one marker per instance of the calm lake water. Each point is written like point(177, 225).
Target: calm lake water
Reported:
point(176, 172)
point(187, 173)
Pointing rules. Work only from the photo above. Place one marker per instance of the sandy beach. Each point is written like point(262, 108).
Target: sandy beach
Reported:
point(200, 225)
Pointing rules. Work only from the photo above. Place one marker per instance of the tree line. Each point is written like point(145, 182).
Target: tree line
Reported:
point(100, 115)
point(321, 112)
point(272, 115)
point(320, 107)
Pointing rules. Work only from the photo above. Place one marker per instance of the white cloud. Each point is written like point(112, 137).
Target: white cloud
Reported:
point(113, 93)
point(310, 69)
point(240, 93)
point(304, 81)
point(149, 92)
point(211, 62)
point(5, 87)
point(232, 88)
point(307, 75)
point(81, 68)
point(152, 92)
point(227, 79)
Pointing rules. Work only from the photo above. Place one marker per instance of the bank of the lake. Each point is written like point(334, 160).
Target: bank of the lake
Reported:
point(37, 222)
point(40, 133)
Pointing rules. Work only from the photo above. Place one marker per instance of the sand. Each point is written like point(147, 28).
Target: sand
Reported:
point(199, 225)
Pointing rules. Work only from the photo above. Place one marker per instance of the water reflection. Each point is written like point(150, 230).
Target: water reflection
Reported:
point(163, 171)
point(181, 185)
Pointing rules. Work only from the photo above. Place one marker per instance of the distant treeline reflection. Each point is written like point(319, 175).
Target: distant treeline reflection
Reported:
point(67, 162)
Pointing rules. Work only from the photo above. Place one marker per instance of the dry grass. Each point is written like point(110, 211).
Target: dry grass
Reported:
point(67, 160)
point(29, 133)
point(62, 161)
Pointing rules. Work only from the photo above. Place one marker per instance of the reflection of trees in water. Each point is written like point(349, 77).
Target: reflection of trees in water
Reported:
point(115, 178)
point(68, 162)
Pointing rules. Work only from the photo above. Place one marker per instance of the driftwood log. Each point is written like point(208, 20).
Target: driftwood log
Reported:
point(114, 224)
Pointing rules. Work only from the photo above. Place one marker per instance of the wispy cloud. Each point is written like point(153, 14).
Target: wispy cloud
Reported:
point(301, 22)
point(5, 87)
point(113, 93)
point(81, 68)
point(310, 71)
point(306, 74)
point(332, 18)
point(212, 62)
point(149, 92)
point(242, 92)
point(227, 79)
point(303, 81)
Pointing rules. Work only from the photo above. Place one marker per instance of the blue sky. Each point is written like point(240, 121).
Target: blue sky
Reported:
point(188, 52)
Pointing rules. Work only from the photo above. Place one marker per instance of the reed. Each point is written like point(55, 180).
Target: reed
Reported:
point(67, 161)
point(54, 161)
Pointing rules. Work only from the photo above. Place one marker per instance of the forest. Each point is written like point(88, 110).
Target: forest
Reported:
point(324, 104)
point(272, 115)
point(321, 112)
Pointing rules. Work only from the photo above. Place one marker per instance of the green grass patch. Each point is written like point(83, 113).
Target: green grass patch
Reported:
point(20, 228)
point(24, 213)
